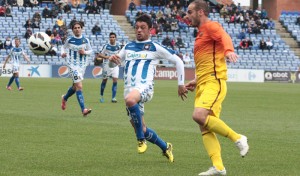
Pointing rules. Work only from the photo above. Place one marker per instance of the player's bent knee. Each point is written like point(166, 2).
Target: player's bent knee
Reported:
point(199, 119)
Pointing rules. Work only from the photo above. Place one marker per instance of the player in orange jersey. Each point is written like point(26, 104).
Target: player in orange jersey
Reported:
point(213, 47)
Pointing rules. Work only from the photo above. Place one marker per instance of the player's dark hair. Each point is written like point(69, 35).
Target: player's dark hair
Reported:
point(200, 4)
point(77, 22)
point(144, 18)
point(112, 33)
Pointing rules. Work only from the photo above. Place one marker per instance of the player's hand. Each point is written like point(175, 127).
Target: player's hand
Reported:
point(182, 91)
point(4, 65)
point(115, 58)
point(191, 85)
point(231, 57)
point(81, 51)
point(63, 55)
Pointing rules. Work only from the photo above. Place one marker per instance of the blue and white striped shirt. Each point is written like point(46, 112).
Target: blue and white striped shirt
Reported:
point(72, 46)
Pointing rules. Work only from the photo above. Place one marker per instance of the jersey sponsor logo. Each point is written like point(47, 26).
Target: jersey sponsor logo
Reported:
point(147, 47)
point(97, 72)
point(136, 56)
point(63, 71)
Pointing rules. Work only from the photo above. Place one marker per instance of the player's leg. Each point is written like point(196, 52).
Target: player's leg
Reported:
point(12, 78)
point(207, 110)
point(103, 84)
point(115, 75)
point(102, 88)
point(78, 86)
point(131, 99)
point(17, 80)
point(77, 76)
point(65, 97)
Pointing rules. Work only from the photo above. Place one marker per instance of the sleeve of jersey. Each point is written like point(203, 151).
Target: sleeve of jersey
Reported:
point(165, 53)
point(218, 34)
point(121, 53)
point(89, 49)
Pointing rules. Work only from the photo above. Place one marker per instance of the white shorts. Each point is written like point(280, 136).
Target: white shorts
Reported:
point(146, 92)
point(110, 72)
point(76, 74)
point(15, 68)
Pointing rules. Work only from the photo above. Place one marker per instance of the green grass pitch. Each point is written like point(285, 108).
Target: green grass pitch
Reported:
point(38, 138)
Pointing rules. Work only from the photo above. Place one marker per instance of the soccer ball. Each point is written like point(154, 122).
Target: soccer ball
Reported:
point(39, 43)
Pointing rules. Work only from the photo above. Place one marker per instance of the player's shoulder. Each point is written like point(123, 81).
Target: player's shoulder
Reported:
point(85, 39)
point(213, 26)
point(163, 48)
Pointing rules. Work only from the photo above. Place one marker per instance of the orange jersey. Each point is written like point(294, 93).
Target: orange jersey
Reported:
point(211, 45)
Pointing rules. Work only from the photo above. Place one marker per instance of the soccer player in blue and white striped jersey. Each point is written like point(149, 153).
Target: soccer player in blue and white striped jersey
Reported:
point(140, 58)
point(109, 69)
point(15, 56)
point(77, 51)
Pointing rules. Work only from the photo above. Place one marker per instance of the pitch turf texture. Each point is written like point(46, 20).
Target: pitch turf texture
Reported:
point(38, 138)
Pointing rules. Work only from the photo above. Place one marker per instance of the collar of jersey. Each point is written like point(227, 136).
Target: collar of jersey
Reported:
point(78, 37)
point(148, 40)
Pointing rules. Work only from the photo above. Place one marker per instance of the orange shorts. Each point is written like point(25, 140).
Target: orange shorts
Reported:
point(210, 95)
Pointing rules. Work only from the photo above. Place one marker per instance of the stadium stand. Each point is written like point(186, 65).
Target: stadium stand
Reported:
point(14, 26)
point(279, 58)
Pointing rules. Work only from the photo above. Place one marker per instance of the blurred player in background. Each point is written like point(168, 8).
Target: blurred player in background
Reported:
point(212, 46)
point(109, 69)
point(76, 50)
point(15, 54)
point(140, 58)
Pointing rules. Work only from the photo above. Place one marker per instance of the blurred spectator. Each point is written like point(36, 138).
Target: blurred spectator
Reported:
point(88, 8)
point(264, 14)
point(57, 39)
point(179, 42)
point(166, 42)
point(75, 3)
point(60, 21)
point(67, 8)
point(2, 11)
point(265, 25)
point(242, 34)
point(271, 24)
point(108, 4)
point(36, 19)
point(243, 44)
point(95, 9)
point(262, 44)
point(48, 32)
point(8, 11)
point(167, 10)
point(269, 44)
point(298, 21)
point(96, 30)
point(46, 13)
point(1, 44)
point(28, 23)
point(174, 26)
point(8, 43)
point(186, 58)
point(132, 6)
point(250, 43)
point(256, 29)
point(28, 33)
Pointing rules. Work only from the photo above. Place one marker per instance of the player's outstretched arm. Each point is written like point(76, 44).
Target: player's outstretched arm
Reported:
point(26, 58)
